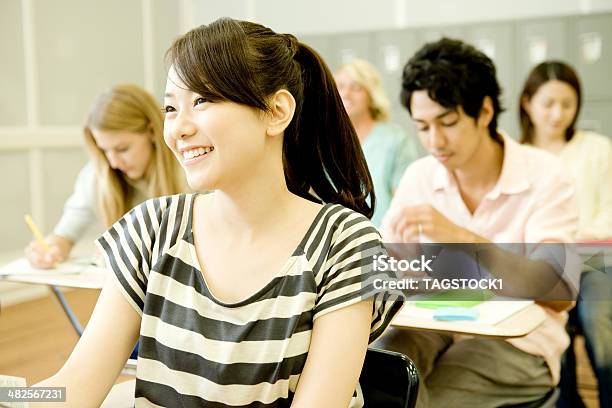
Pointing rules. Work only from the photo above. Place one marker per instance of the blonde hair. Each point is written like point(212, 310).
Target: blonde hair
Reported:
point(366, 75)
point(130, 108)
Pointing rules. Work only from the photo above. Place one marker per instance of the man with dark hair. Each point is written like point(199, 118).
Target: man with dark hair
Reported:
point(479, 186)
point(454, 74)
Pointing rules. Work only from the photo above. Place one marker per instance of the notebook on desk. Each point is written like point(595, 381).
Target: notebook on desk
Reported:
point(490, 312)
point(452, 298)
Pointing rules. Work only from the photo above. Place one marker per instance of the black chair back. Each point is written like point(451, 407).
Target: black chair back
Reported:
point(388, 380)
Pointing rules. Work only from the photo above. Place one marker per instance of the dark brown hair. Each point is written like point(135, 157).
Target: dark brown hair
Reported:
point(246, 63)
point(542, 73)
point(453, 73)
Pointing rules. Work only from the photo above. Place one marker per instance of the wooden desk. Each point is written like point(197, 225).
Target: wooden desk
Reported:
point(516, 325)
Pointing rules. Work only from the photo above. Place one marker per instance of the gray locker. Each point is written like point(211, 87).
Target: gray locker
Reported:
point(596, 116)
point(392, 49)
point(12, 68)
point(539, 40)
point(430, 34)
point(591, 45)
point(321, 44)
point(497, 41)
point(345, 47)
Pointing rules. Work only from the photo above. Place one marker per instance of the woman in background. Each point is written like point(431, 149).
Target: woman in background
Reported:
point(388, 151)
point(129, 164)
point(550, 104)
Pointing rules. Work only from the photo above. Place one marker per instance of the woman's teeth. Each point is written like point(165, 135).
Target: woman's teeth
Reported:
point(190, 154)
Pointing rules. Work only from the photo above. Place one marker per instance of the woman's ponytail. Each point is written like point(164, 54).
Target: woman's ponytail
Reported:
point(321, 151)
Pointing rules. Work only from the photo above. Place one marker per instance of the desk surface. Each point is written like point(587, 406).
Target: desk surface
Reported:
point(516, 325)
point(121, 395)
point(89, 277)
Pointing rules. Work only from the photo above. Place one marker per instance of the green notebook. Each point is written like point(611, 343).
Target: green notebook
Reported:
point(454, 298)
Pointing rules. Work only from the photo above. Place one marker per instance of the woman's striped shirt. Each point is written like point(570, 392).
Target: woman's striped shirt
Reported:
point(196, 351)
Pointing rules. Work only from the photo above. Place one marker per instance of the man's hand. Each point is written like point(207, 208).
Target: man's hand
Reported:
point(411, 222)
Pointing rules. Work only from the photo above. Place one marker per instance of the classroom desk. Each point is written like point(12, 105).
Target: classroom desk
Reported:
point(595, 254)
point(516, 325)
point(120, 396)
point(89, 278)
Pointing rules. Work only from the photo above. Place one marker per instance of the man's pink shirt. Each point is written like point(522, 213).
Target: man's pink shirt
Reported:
point(532, 202)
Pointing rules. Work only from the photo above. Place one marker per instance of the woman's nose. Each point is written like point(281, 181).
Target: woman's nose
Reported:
point(113, 161)
point(557, 112)
point(183, 126)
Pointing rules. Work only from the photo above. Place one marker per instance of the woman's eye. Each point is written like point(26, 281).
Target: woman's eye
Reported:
point(449, 124)
point(168, 109)
point(199, 101)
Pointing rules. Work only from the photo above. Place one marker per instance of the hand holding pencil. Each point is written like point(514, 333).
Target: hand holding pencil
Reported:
point(45, 253)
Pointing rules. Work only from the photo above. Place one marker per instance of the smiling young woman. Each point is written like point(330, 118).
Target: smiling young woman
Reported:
point(256, 293)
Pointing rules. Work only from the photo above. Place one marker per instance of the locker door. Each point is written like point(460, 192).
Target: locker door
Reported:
point(539, 40)
point(321, 44)
point(393, 48)
point(497, 41)
point(591, 44)
point(596, 116)
point(431, 34)
point(345, 47)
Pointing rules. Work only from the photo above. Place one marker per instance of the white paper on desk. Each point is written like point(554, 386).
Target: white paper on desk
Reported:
point(489, 312)
point(22, 267)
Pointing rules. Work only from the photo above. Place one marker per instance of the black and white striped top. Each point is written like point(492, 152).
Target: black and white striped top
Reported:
point(197, 351)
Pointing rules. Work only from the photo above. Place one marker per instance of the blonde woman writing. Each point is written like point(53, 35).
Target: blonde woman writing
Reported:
point(129, 164)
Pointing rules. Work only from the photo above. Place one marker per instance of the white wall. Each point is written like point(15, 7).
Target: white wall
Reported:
point(56, 57)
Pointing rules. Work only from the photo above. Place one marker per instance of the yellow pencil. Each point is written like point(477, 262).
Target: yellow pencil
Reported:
point(36, 232)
